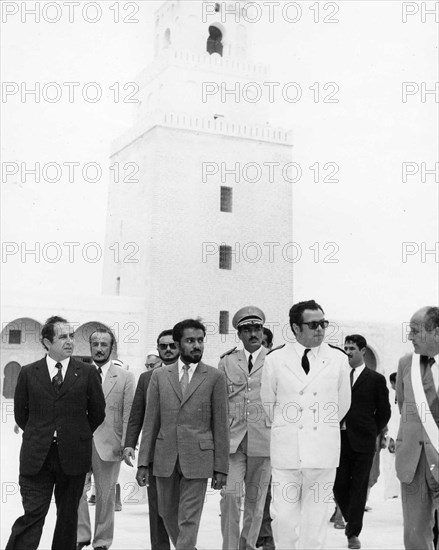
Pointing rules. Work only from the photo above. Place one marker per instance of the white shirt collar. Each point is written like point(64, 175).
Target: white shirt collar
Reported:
point(51, 366)
point(104, 368)
point(358, 370)
point(254, 354)
point(191, 370)
point(301, 349)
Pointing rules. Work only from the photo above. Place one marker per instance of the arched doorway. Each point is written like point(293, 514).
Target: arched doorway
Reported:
point(370, 359)
point(10, 377)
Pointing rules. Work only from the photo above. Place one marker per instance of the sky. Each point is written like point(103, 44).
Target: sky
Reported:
point(372, 229)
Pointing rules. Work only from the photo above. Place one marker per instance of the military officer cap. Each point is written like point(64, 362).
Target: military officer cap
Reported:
point(249, 315)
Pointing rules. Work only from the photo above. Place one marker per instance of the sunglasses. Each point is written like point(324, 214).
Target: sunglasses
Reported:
point(313, 325)
point(162, 347)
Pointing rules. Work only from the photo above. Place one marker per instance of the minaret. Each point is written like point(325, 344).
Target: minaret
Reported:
point(210, 214)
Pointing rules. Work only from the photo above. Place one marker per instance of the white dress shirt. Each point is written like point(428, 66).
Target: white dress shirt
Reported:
point(191, 369)
point(312, 354)
point(104, 369)
point(254, 355)
point(53, 371)
point(357, 371)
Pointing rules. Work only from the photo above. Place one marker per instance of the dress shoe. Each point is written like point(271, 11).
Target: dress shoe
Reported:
point(81, 545)
point(100, 548)
point(354, 543)
point(332, 518)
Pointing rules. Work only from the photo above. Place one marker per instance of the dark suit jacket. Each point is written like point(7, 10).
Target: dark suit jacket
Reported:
point(74, 413)
point(194, 428)
point(370, 411)
point(138, 408)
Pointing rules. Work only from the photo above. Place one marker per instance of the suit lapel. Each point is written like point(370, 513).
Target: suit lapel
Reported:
point(72, 374)
point(242, 362)
point(319, 365)
point(173, 379)
point(259, 360)
point(295, 366)
point(43, 377)
point(109, 381)
point(197, 378)
point(363, 376)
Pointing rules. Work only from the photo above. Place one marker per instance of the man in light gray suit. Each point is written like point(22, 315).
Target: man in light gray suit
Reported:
point(118, 386)
point(417, 444)
point(249, 434)
point(185, 434)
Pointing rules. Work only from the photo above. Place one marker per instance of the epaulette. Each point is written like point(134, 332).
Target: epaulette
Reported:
point(228, 352)
point(336, 347)
point(275, 349)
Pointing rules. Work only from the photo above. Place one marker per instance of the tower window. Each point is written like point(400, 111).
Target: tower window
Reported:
point(167, 38)
point(224, 322)
point(217, 7)
point(214, 42)
point(15, 336)
point(226, 199)
point(225, 257)
point(117, 286)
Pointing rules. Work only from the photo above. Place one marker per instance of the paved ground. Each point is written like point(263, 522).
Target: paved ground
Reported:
point(382, 526)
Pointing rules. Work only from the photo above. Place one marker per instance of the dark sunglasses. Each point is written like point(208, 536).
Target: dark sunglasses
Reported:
point(313, 325)
point(164, 346)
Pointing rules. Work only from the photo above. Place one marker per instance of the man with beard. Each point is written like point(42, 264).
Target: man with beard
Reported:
point(185, 434)
point(58, 404)
point(306, 392)
point(168, 354)
point(249, 434)
point(118, 387)
point(417, 448)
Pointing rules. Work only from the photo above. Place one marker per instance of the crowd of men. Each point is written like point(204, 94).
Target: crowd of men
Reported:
point(277, 430)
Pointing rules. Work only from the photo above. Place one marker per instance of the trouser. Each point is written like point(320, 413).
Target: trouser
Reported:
point(36, 493)
point(420, 499)
point(351, 483)
point(299, 507)
point(254, 473)
point(181, 503)
point(157, 530)
point(105, 475)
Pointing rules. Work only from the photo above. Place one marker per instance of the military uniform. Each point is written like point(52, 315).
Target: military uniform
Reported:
point(249, 445)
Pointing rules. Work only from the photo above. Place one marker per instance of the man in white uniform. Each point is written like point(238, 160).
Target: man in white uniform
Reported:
point(306, 392)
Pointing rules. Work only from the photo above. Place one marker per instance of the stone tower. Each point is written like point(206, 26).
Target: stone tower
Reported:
point(201, 191)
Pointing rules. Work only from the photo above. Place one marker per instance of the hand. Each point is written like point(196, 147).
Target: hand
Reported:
point(142, 476)
point(218, 481)
point(391, 445)
point(128, 454)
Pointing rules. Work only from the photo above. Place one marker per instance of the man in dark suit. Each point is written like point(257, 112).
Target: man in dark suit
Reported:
point(185, 434)
point(58, 404)
point(417, 444)
point(168, 353)
point(368, 415)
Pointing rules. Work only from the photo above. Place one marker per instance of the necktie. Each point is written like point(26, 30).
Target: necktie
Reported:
point(352, 376)
point(57, 380)
point(250, 363)
point(100, 373)
point(184, 382)
point(305, 361)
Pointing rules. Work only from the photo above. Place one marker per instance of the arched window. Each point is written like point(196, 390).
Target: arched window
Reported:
point(11, 373)
point(214, 42)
